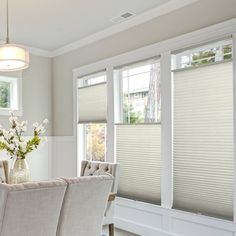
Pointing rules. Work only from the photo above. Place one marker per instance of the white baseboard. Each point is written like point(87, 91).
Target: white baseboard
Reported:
point(133, 227)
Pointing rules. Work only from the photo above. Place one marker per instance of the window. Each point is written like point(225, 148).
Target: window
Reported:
point(95, 79)
point(95, 142)
point(219, 51)
point(141, 93)
point(92, 116)
point(10, 93)
point(203, 132)
point(195, 168)
point(139, 133)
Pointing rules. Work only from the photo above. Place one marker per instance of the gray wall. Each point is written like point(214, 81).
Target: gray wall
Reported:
point(37, 93)
point(198, 15)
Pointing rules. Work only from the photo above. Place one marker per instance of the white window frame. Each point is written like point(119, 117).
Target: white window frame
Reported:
point(81, 133)
point(15, 96)
point(164, 48)
point(119, 88)
point(188, 53)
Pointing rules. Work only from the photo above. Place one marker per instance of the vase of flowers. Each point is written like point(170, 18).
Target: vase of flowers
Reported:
point(17, 147)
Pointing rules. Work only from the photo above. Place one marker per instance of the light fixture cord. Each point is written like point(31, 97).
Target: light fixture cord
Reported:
point(7, 39)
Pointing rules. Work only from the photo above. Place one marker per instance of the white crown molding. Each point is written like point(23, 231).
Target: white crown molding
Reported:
point(40, 52)
point(35, 51)
point(136, 20)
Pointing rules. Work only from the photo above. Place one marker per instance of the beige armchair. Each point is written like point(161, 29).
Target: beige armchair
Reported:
point(92, 168)
point(31, 209)
point(4, 171)
point(84, 205)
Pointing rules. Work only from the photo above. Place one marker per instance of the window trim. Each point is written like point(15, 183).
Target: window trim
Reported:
point(81, 133)
point(120, 98)
point(17, 85)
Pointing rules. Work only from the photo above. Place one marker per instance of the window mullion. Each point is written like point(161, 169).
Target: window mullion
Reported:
point(234, 118)
point(110, 157)
point(166, 132)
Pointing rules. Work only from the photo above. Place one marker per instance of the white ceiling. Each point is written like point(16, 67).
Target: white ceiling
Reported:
point(51, 24)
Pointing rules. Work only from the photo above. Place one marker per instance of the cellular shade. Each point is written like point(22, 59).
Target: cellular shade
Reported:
point(203, 140)
point(138, 152)
point(92, 103)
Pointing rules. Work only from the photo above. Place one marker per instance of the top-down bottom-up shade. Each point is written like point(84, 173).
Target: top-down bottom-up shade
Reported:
point(138, 153)
point(203, 140)
point(92, 103)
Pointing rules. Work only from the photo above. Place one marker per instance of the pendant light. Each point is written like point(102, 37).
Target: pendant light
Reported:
point(12, 56)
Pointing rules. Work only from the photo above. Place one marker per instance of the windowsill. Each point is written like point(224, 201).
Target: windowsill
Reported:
point(6, 112)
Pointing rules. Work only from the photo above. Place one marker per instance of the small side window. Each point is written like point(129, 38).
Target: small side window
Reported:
point(10, 95)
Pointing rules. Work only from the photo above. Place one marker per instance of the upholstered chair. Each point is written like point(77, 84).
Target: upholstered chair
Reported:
point(31, 209)
point(84, 205)
point(4, 171)
point(92, 168)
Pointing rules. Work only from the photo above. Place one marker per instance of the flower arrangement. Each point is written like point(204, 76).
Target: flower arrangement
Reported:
point(14, 143)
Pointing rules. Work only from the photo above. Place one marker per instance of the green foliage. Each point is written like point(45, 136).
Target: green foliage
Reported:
point(227, 49)
point(95, 142)
point(206, 57)
point(4, 95)
point(129, 115)
point(203, 58)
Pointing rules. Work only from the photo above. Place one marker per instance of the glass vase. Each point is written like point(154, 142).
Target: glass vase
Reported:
point(19, 172)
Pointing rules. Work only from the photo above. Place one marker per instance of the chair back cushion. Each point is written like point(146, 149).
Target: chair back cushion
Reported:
point(84, 206)
point(94, 168)
point(3, 171)
point(31, 209)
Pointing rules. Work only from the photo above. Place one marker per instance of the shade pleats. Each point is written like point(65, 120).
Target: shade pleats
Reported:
point(92, 103)
point(203, 140)
point(138, 152)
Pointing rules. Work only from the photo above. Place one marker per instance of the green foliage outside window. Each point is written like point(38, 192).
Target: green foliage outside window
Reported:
point(4, 95)
point(205, 57)
point(95, 142)
point(129, 115)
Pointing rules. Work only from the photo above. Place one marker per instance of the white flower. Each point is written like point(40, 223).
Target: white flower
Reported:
point(36, 124)
point(24, 128)
point(11, 146)
point(23, 146)
point(24, 123)
point(7, 134)
point(40, 129)
point(18, 129)
point(12, 118)
point(45, 121)
point(16, 141)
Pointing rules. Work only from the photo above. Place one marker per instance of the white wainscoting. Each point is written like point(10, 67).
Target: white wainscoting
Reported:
point(64, 161)
point(151, 220)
